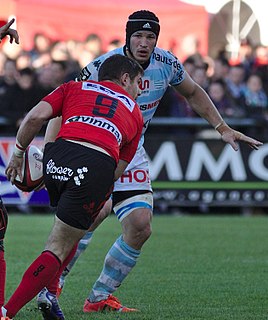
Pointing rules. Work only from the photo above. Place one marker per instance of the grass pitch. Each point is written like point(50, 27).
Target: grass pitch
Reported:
point(193, 267)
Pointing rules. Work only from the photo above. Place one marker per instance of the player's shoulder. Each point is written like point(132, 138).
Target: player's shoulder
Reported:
point(164, 56)
point(91, 70)
point(106, 55)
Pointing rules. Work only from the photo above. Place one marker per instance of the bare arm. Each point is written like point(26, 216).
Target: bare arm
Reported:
point(7, 31)
point(52, 130)
point(28, 129)
point(202, 104)
point(121, 167)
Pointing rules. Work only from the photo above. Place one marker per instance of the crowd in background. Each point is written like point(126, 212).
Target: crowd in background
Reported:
point(239, 88)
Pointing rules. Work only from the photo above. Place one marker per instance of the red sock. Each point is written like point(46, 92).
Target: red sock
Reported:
point(35, 278)
point(2, 277)
point(53, 285)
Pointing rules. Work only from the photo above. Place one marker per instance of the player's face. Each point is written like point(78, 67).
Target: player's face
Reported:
point(133, 87)
point(142, 44)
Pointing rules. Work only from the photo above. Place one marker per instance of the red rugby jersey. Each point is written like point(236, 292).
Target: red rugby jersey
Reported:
point(101, 113)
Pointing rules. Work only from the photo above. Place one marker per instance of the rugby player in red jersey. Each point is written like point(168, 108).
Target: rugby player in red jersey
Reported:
point(99, 135)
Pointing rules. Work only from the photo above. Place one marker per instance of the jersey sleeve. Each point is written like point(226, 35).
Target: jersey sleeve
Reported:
point(128, 151)
point(55, 99)
point(178, 70)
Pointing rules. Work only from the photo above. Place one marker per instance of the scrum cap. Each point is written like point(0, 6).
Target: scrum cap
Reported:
point(142, 20)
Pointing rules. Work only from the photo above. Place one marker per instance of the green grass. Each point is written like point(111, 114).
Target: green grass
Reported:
point(192, 268)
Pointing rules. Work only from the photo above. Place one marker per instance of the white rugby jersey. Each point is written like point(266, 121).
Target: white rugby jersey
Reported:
point(164, 70)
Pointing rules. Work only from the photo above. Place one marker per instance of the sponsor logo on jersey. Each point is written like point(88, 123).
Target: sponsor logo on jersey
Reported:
point(84, 74)
point(65, 173)
point(127, 102)
point(97, 64)
point(168, 61)
point(132, 176)
point(98, 122)
point(149, 106)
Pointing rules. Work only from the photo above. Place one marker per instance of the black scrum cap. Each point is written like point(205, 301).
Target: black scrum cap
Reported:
point(141, 20)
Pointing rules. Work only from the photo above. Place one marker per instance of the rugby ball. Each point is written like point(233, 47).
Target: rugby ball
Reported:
point(32, 170)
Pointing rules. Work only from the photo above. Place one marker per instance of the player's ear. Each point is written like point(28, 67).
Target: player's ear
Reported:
point(125, 79)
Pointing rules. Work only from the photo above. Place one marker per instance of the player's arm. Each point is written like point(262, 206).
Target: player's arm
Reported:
point(29, 128)
point(202, 104)
point(52, 130)
point(121, 167)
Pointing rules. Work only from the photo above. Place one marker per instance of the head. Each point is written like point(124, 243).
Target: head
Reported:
point(216, 90)
point(254, 83)
point(142, 31)
point(124, 71)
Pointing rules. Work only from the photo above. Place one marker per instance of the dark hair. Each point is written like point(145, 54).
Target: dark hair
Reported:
point(116, 65)
point(27, 71)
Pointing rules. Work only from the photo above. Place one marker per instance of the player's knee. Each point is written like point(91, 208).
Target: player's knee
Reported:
point(145, 232)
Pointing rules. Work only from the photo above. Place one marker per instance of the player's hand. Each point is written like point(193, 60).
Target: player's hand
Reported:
point(14, 168)
point(12, 33)
point(231, 136)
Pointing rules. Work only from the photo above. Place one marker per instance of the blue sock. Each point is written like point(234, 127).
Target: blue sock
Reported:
point(118, 262)
point(83, 244)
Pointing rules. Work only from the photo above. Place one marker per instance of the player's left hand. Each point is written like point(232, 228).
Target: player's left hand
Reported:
point(232, 136)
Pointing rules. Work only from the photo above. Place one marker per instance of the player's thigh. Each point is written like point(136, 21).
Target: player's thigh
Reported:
point(102, 215)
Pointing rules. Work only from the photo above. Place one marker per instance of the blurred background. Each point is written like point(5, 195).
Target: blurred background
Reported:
point(223, 46)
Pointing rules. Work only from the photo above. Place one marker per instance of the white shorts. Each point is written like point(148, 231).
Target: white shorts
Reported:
point(125, 207)
point(136, 176)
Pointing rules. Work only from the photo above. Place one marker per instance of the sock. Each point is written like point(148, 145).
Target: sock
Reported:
point(3, 312)
point(53, 285)
point(35, 278)
point(119, 261)
point(2, 277)
point(82, 245)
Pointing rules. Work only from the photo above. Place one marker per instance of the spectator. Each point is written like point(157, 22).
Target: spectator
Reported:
point(200, 76)
point(113, 44)
point(225, 105)
point(24, 60)
point(260, 64)
point(220, 69)
point(93, 45)
point(7, 90)
point(59, 73)
point(235, 83)
point(28, 93)
point(189, 65)
point(255, 97)
point(44, 76)
point(40, 53)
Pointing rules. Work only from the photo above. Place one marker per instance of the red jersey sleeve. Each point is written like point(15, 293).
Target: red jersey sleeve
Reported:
point(128, 151)
point(55, 99)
